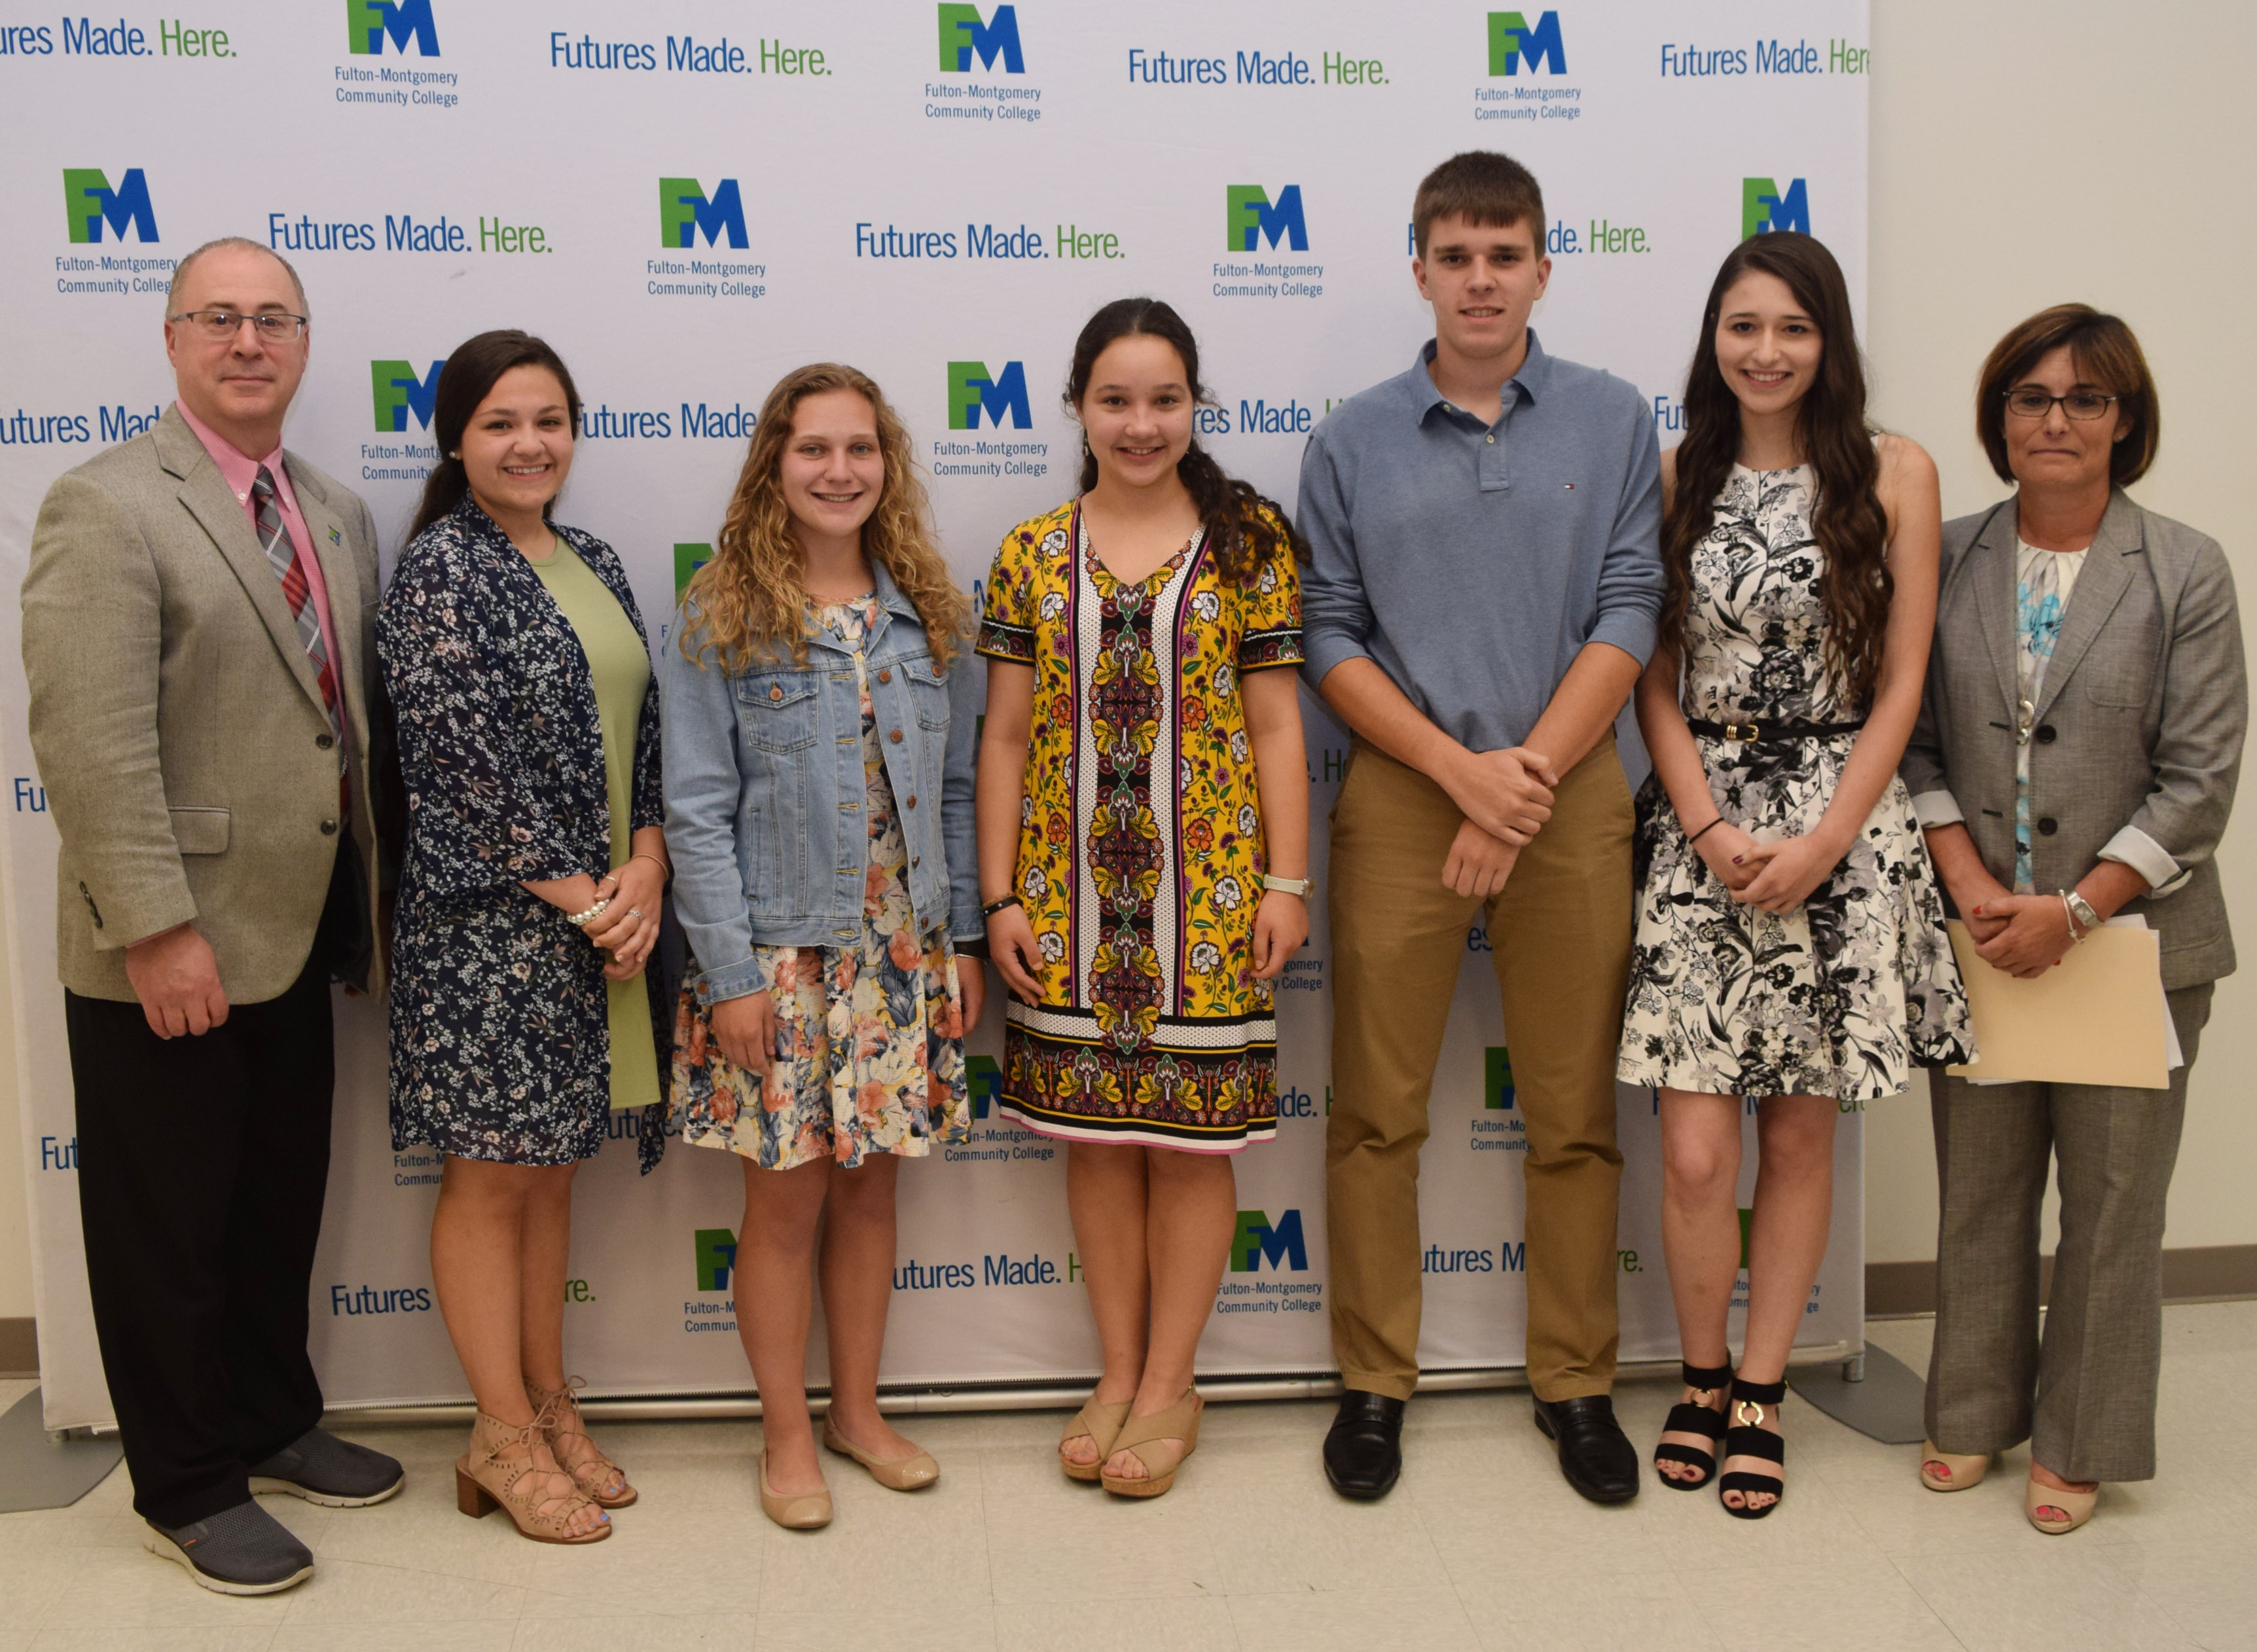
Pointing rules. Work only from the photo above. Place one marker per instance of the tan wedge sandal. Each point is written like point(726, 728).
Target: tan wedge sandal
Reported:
point(1959, 1469)
point(1145, 1438)
point(485, 1480)
point(910, 1474)
point(601, 1481)
point(1098, 1421)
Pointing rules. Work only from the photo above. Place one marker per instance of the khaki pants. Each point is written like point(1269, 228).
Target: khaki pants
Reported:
point(1560, 939)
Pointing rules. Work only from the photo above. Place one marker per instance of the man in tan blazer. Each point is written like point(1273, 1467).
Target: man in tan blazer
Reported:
point(199, 640)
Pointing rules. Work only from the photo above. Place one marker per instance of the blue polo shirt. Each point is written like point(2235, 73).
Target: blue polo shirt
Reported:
point(1471, 562)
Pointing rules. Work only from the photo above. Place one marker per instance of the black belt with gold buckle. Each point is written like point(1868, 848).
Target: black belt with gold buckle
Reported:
point(1753, 733)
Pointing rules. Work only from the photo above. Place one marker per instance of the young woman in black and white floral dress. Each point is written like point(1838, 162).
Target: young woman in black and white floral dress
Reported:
point(1790, 944)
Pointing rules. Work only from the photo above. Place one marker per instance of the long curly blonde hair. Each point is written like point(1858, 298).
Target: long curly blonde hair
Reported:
point(753, 594)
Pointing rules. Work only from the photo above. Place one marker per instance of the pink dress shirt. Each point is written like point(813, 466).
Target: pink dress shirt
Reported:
point(239, 473)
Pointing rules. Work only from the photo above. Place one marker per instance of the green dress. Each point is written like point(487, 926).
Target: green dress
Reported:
point(620, 669)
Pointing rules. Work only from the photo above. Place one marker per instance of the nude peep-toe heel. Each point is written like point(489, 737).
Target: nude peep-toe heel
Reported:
point(1961, 1469)
point(485, 1480)
point(1146, 1437)
point(794, 1511)
point(2076, 1506)
point(910, 1474)
point(1100, 1421)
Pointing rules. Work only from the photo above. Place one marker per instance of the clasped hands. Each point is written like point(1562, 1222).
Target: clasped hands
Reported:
point(627, 929)
point(2023, 934)
point(1774, 877)
point(1506, 798)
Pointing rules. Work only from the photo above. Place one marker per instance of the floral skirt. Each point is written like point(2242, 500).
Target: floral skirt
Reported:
point(1840, 997)
point(868, 1058)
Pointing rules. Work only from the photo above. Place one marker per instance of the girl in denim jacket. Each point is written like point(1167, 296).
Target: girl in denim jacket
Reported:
point(820, 710)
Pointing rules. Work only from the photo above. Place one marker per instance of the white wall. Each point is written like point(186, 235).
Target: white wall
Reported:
point(2022, 155)
point(2026, 155)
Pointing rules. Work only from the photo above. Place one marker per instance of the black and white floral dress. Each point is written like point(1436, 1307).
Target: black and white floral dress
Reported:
point(1843, 995)
point(500, 1016)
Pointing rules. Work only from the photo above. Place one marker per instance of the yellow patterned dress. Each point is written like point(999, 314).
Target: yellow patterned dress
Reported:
point(1140, 852)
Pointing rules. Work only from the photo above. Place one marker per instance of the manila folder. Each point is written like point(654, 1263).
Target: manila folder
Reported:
point(2094, 1018)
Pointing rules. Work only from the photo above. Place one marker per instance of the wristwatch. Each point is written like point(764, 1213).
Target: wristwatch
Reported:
point(1300, 886)
point(2081, 909)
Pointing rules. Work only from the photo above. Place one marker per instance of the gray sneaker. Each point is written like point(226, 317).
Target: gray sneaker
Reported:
point(323, 1469)
point(243, 1550)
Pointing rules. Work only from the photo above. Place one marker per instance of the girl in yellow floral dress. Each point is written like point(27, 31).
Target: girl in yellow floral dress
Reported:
point(1144, 858)
point(822, 728)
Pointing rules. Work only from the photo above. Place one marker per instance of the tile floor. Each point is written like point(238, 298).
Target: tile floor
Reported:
point(1480, 1547)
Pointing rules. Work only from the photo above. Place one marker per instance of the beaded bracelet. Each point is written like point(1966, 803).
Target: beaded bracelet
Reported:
point(580, 919)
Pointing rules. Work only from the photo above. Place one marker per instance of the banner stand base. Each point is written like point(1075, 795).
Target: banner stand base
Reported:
point(1873, 1392)
point(1045, 1397)
point(38, 1469)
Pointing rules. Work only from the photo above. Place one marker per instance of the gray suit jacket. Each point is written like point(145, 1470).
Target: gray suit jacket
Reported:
point(2140, 724)
point(178, 724)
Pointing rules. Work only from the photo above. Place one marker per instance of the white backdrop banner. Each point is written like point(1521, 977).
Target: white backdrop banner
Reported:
point(688, 200)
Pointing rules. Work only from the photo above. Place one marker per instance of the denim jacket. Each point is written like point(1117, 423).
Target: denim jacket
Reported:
point(765, 790)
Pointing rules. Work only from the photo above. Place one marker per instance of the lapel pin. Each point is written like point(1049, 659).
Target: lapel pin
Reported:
point(337, 537)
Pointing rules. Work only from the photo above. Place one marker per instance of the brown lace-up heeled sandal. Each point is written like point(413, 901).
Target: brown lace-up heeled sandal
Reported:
point(485, 1480)
point(601, 1481)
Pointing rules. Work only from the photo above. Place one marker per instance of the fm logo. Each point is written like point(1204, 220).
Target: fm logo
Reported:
point(973, 390)
point(1764, 207)
point(717, 1258)
point(986, 1079)
point(399, 393)
point(1496, 1078)
point(1259, 1239)
point(1249, 216)
point(367, 23)
point(688, 558)
point(1511, 43)
point(963, 36)
point(90, 202)
point(685, 211)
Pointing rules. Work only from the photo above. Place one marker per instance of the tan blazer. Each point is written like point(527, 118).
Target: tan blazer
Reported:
point(2139, 722)
point(188, 763)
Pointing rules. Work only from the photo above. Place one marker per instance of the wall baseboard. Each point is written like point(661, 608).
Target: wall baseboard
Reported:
point(2197, 1274)
point(2204, 1274)
point(19, 1347)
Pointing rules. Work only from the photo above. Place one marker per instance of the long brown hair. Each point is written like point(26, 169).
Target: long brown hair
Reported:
point(753, 594)
point(466, 378)
point(1848, 520)
point(1237, 519)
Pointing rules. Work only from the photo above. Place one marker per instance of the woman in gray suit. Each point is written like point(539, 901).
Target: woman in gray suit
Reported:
point(2075, 758)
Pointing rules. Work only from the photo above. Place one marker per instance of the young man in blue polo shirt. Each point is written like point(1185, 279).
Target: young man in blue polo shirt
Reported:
point(1487, 574)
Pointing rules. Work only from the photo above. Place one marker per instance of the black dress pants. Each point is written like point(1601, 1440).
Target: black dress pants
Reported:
point(202, 1166)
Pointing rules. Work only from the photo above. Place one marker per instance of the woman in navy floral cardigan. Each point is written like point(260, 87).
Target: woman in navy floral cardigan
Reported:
point(528, 731)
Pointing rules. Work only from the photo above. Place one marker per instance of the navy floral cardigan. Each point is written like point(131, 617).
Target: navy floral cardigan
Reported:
point(500, 1034)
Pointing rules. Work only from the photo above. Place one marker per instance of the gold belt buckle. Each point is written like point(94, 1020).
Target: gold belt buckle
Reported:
point(1744, 733)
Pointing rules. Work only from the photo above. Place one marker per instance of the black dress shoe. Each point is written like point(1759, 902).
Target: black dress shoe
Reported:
point(1363, 1449)
point(1595, 1454)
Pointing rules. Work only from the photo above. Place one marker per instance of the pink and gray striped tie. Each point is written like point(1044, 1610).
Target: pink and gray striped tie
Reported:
point(274, 540)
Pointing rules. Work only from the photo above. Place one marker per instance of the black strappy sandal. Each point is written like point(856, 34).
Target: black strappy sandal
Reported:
point(1695, 1416)
point(1752, 1401)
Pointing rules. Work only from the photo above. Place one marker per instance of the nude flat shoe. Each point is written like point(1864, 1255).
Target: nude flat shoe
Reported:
point(910, 1474)
point(1961, 1469)
point(800, 1511)
point(1146, 1437)
point(1101, 1422)
point(2077, 1507)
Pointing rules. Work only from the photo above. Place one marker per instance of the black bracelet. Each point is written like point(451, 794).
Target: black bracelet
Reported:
point(994, 906)
point(1704, 831)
